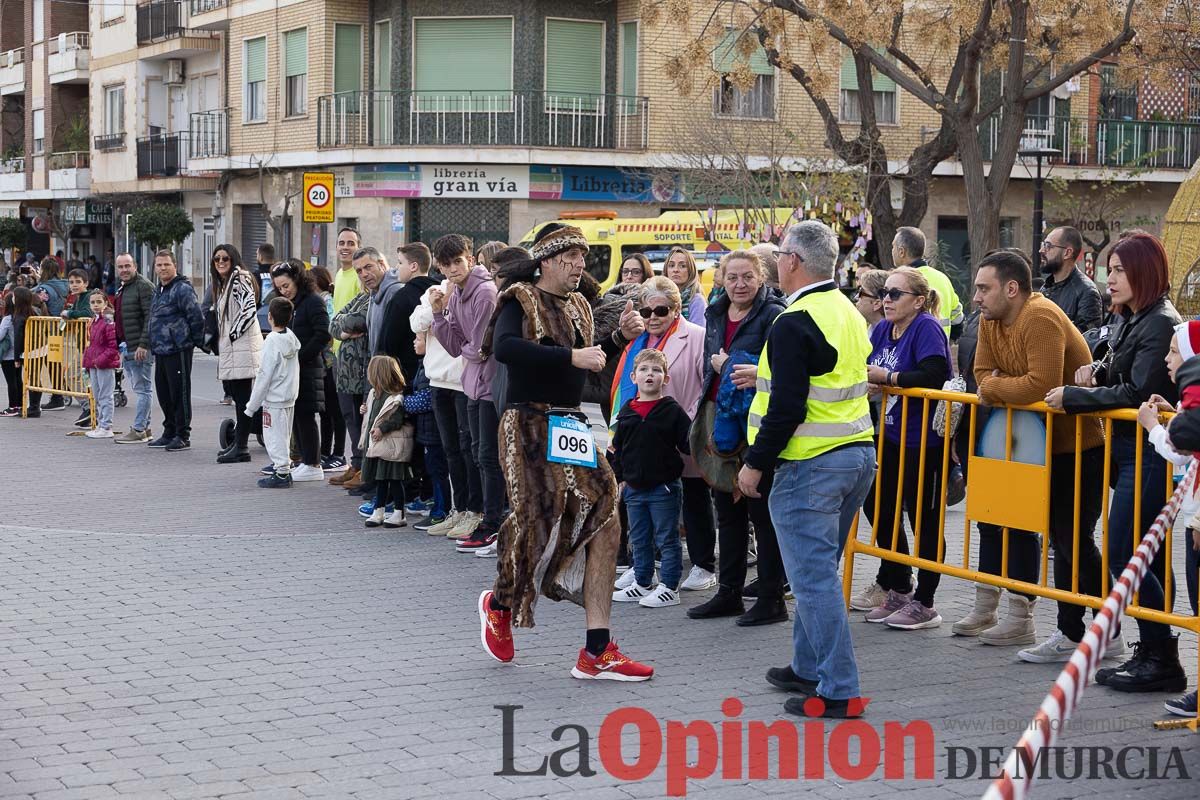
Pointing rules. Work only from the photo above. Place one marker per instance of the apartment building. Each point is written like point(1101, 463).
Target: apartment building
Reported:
point(44, 154)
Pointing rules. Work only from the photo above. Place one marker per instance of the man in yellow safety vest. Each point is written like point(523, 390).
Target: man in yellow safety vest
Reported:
point(908, 250)
point(810, 423)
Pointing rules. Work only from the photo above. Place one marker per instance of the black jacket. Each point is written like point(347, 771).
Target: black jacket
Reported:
point(1134, 367)
point(397, 340)
point(310, 323)
point(646, 451)
point(1078, 297)
point(751, 335)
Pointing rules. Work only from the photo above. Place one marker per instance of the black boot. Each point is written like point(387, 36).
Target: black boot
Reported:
point(1158, 669)
point(722, 604)
point(766, 610)
point(234, 454)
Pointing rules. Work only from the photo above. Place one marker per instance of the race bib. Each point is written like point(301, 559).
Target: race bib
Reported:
point(570, 442)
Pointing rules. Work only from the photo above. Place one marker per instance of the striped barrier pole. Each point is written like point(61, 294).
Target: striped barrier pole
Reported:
point(1016, 779)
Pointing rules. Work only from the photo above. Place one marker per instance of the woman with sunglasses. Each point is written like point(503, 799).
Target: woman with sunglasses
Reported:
point(909, 349)
point(681, 269)
point(869, 297)
point(738, 323)
point(310, 323)
point(239, 340)
point(683, 344)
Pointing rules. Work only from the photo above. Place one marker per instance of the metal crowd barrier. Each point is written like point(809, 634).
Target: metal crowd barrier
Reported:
point(1011, 495)
point(54, 360)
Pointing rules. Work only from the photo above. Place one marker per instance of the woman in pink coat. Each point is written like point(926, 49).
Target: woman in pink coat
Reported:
point(682, 342)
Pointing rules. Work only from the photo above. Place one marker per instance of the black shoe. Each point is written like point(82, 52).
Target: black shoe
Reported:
point(751, 590)
point(161, 441)
point(824, 707)
point(234, 455)
point(57, 404)
point(84, 421)
point(33, 413)
point(1184, 706)
point(275, 481)
point(480, 538)
point(784, 678)
point(366, 490)
point(1158, 670)
point(764, 612)
point(721, 604)
point(178, 444)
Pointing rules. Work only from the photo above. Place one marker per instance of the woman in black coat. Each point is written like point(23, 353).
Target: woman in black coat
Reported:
point(310, 323)
point(738, 321)
point(1134, 369)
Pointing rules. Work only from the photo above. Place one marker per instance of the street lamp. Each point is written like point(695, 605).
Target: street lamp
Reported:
point(1037, 153)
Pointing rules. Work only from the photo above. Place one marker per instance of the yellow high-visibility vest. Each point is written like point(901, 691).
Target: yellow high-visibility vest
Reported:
point(838, 411)
point(949, 306)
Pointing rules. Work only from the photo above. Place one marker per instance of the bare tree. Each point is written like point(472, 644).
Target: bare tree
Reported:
point(277, 191)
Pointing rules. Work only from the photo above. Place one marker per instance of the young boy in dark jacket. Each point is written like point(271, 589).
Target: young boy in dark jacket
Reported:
point(652, 431)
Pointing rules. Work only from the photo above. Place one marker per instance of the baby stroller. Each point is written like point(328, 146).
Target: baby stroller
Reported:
point(119, 398)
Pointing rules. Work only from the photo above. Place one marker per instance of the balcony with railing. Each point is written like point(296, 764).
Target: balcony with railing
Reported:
point(209, 134)
point(1099, 142)
point(69, 57)
point(12, 71)
point(209, 15)
point(109, 141)
point(12, 175)
point(158, 20)
point(70, 170)
point(483, 119)
point(163, 155)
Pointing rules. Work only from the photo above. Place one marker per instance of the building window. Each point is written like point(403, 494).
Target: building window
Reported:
point(479, 77)
point(39, 20)
point(254, 99)
point(574, 77)
point(730, 100)
point(348, 65)
point(883, 88)
point(383, 56)
point(112, 9)
point(295, 71)
point(629, 65)
point(114, 110)
point(39, 131)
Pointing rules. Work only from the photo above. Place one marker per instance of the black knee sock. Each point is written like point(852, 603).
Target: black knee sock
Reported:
point(597, 640)
point(495, 604)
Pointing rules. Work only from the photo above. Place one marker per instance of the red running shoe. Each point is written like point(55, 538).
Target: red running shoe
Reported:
point(495, 629)
point(611, 665)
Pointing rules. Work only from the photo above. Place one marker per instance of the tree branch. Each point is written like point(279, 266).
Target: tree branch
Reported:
point(1079, 65)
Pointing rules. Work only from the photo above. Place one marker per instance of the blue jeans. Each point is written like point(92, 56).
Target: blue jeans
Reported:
point(103, 381)
point(138, 373)
point(813, 503)
point(435, 467)
point(654, 523)
point(1122, 528)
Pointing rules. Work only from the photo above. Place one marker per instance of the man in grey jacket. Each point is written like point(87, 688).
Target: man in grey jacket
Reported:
point(132, 319)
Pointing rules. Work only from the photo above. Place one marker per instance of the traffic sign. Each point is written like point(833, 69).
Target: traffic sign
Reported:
point(318, 197)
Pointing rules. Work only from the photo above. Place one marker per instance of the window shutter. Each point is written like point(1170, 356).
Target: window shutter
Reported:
point(726, 56)
point(256, 60)
point(574, 59)
point(629, 58)
point(347, 65)
point(849, 77)
point(459, 55)
point(295, 53)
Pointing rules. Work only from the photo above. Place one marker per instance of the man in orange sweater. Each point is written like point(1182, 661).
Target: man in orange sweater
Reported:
point(1028, 346)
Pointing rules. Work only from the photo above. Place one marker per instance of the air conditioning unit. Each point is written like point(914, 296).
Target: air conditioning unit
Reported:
point(174, 72)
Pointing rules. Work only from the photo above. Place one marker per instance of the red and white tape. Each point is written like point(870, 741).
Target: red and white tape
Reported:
point(1016, 779)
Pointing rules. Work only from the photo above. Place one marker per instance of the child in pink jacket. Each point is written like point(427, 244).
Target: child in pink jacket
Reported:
point(101, 360)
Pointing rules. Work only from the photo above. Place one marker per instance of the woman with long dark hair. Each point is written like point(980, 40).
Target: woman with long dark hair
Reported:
point(333, 424)
point(310, 323)
point(239, 341)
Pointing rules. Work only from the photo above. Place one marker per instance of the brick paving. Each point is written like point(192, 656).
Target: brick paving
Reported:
point(169, 630)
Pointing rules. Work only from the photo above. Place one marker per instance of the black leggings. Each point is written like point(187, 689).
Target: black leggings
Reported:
point(389, 492)
point(12, 377)
point(333, 425)
point(308, 438)
point(240, 390)
point(733, 532)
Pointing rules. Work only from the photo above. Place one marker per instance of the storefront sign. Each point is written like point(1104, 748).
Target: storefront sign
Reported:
point(605, 184)
point(508, 181)
point(471, 180)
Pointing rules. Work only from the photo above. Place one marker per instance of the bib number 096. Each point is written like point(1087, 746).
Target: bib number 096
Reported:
point(570, 442)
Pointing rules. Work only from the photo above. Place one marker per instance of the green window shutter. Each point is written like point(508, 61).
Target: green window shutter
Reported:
point(256, 60)
point(629, 58)
point(295, 53)
point(574, 61)
point(849, 77)
point(347, 58)
point(726, 56)
point(455, 56)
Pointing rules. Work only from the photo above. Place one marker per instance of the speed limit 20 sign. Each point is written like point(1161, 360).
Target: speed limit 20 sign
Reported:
point(318, 197)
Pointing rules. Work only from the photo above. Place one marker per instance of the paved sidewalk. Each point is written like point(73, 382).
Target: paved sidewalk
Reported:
point(169, 630)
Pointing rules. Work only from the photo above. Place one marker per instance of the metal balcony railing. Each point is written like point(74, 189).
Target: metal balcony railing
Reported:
point(79, 40)
point(1101, 142)
point(163, 155)
point(519, 118)
point(81, 159)
point(159, 19)
point(110, 141)
point(209, 134)
point(203, 6)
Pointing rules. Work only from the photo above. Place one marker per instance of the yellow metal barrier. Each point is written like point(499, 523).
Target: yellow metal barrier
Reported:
point(1011, 495)
point(54, 360)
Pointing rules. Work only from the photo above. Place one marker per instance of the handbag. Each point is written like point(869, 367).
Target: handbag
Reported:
point(940, 425)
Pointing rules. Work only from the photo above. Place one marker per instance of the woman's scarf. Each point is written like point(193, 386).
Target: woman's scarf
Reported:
point(623, 387)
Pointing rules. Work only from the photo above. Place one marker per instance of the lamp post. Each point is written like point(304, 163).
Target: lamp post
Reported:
point(1039, 182)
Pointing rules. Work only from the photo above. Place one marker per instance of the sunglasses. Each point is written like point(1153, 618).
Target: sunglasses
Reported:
point(894, 294)
point(282, 269)
point(867, 295)
point(658, 311)
point(220, 259)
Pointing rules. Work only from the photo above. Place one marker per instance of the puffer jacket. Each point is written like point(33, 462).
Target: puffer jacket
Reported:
point(8, 339)
point(751, 335)
point(135, 299)
point(239, 342)
point(176, 322)
point(56, 291)
point(101, 351)
point(1134, 367)
point(311, 326)
point(350, 369)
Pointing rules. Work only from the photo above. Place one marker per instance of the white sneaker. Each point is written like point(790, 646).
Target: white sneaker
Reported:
point(632, 594)
point(660, 597)
point(304, 472)
point(487, 551)
point(395, 519)
point(626, 579)
point(467, 523)
point(1055, 649)
point(868, 599)
point(446, 525)
point(99, 433)
point(699, 578)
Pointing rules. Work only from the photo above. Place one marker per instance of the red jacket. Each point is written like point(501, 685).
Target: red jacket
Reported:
point(101, 352)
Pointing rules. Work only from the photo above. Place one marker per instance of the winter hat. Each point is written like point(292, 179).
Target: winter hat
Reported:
point(554, 239)
point(1188, 336)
